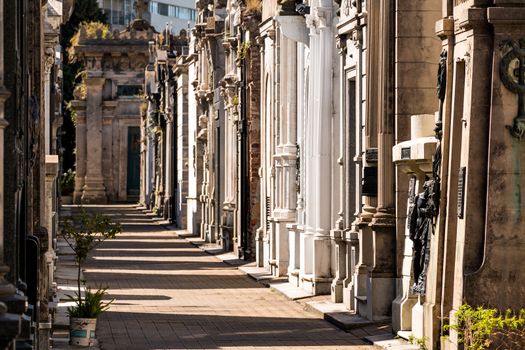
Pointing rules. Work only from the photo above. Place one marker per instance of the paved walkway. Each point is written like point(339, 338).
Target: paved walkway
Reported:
point(171, 295)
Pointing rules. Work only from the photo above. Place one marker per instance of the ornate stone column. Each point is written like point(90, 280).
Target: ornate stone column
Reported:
point(49, 61)
point(337, 233)
point(292, 29)
point(188, 112)
point(260, 234)
point(381, 287)
point(81, 149)
point(352, 86)
point(319, 134)
point(368, 157)
point(168, 173)
point(268, 46)
point(94, 188)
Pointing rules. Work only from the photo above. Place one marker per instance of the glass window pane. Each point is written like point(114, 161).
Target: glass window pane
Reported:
point(163, 9)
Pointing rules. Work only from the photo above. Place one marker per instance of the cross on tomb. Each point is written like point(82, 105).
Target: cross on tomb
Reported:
point(140, 7)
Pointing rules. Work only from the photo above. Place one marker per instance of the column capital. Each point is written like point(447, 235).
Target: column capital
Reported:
point(320, 17)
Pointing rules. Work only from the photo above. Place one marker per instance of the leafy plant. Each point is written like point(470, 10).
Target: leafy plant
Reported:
point(67, 183)
point(480, 328)
point(83, 233)
point(235, 100)
point(92, 306)
point(242, 50)
point(420, 342)
point(93, 30)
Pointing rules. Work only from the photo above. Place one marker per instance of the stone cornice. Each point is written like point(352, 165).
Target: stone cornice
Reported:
point(294, 27)
point(512, 16)
point(445, 27)
point(471, 18)
point(94, 48)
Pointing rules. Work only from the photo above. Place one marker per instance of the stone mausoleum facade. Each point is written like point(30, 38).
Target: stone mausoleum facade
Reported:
point(108, 119)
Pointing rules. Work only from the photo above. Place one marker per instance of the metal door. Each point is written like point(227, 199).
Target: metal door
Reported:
point(133, 175)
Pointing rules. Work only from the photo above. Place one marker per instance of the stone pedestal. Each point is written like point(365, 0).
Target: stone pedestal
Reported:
point(282, 243)
point(414, 158)
point(366, 259)
point(337, 287)
point(381, 277)
point(294, 242)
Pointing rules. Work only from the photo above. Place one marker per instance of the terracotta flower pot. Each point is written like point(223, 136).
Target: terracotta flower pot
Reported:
point(82, 331)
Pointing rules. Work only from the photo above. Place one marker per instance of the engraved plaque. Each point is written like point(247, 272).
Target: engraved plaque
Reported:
point(371, 155)
point(461, 191)
point(405, 153)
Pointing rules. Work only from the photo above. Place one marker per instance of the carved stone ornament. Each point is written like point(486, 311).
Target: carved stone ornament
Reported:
point(346, 6)
point(441, 89)
point(49, 59)
point(357, 37)
point(512, 74)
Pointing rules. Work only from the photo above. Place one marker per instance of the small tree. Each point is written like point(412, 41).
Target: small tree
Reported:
point(481, 328)
point(83, 233)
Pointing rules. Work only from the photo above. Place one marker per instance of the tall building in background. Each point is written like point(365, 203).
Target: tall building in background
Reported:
point(177, 14)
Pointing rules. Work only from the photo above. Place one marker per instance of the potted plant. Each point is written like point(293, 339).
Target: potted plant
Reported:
point(83, 233)
point(67, 186)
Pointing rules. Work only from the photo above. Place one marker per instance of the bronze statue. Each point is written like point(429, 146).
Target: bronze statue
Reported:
point(421, 227)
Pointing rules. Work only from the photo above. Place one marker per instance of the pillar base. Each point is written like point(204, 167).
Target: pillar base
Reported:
point(316, 286)
point(293, 278)
point(431, 323)
point(381, 285)
point(282, 252)
point(336, 288)
point(94, 193)
point(418, 320)
point(259, 250)
point(402, 312)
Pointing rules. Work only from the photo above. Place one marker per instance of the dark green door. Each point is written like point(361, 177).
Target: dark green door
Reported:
point(133, 161)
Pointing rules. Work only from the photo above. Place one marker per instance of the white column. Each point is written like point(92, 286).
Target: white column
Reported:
point(337, 233)
point(319, 184)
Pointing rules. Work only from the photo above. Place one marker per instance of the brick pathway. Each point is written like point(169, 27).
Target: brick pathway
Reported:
point(171, 295)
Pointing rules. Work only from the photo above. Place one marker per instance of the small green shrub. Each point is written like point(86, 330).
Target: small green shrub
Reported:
point(83, 233)
point(420, 342)
point(93, 30)
point(483, 328)
point(242, 50)
point(92, 305)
